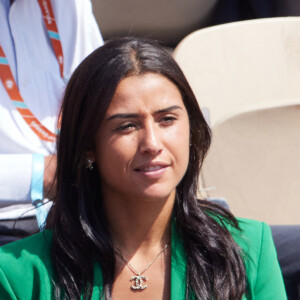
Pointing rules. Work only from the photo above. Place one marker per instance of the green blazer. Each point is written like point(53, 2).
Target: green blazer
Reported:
point(26, 270)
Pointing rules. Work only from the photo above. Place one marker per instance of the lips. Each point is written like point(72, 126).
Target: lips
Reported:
point(151, 167)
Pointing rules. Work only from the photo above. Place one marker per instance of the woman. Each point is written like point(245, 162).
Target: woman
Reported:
point(126, 223)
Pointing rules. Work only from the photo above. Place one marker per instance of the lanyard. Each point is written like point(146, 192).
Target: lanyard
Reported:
point(10, 85)
point(52, 31)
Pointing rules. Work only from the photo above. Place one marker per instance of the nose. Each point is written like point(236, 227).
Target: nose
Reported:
point(150, 139)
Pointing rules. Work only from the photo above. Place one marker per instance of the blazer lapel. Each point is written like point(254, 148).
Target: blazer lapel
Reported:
point(178, 266)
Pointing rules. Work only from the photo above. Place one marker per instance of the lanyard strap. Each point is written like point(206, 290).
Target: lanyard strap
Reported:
point(49, 20)
point(10, 85)
point(12, 90)
point(37, 189)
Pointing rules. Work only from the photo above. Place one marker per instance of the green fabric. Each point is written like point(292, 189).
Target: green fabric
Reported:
point(264, 278)
point(26, 270)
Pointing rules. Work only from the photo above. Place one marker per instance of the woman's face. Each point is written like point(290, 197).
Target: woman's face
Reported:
point(142, 146)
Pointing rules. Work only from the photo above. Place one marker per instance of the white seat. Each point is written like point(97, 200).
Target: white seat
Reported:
point(247, 74)
point(254, 163)
point(240, 66)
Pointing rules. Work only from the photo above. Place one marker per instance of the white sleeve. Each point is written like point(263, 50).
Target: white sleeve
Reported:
point(88, 36)
point(15, 174)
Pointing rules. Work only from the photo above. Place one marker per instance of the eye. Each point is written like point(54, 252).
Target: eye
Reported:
point(167, 120)
point(127, 127)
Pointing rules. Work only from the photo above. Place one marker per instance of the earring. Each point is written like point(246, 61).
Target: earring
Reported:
point(89, 164)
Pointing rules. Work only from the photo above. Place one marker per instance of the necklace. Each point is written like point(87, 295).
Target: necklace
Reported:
point(138, 278)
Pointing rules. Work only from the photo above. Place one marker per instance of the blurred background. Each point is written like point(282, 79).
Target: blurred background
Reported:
point(171, 20)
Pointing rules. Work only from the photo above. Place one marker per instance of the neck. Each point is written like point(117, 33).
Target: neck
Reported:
point(139, 225)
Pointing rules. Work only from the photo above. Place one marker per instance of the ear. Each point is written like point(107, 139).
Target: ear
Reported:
point(90, 155)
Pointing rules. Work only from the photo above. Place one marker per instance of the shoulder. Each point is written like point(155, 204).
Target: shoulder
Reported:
point(28, 258)
point(251, 232)
point(37, 245)
point(254, 238)
point(262, 268)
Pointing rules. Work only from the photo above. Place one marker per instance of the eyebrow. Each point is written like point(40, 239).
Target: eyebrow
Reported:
point(127, 116)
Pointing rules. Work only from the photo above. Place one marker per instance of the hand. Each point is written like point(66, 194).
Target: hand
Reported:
point(49, 177)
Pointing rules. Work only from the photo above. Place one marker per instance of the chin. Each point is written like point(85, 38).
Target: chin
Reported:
point(158, 194)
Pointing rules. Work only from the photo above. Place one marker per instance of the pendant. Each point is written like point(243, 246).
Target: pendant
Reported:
point(138, 282)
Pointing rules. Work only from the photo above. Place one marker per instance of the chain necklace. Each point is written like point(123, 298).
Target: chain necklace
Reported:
point(138, 278)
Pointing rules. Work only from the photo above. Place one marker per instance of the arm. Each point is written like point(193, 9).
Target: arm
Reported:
point(80, 34)
point(16, 176)
point(49, 182)
point(26, 269)
point(264, 278)
point(6, 291)
point(89, 37)
point(269, 283)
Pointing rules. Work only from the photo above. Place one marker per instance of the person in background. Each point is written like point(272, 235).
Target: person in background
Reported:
point(41, 43)
point(235, 10)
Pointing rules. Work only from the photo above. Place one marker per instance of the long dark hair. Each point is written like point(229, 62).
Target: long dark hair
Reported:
point(81, 236)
